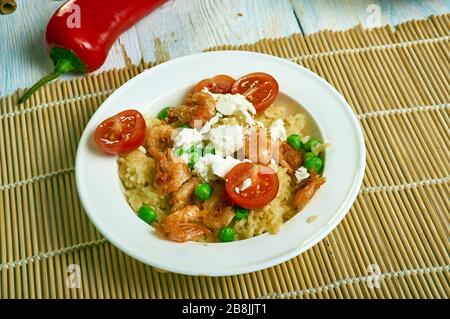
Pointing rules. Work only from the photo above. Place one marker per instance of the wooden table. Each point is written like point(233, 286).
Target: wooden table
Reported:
point(183, 27)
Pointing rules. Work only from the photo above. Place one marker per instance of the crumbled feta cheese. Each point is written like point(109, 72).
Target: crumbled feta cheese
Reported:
point(248, 118)
point(187, 137)
point(211, 166)
point(203, 168)
point(246, 184)
point(277, 130)
point(221, 166)
point(301, 174)
point(227, 139)
point(142, 149)
point(207, 127)
point(229, 104)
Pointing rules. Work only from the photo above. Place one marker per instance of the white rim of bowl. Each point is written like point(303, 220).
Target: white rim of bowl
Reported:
point(277, 259)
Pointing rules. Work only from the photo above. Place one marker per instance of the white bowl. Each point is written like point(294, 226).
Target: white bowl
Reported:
point(100, 191)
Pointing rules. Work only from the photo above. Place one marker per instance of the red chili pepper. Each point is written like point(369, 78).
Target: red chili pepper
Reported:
point(81, 32)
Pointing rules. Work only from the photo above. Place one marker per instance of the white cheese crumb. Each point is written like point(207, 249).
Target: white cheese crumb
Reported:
point(246, 184)
point(203, 168)
point(211, 166)
point(208, 125)
point(187, 137)
point(142, 149)
point(227, 139)
point(277, 130)
point(221, 166)
point(229, 104)
point(301, 173)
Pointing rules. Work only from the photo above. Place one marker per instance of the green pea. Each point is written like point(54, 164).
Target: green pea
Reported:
point(195, 149)
point(184, 125)
point(240, 212)
point(163, 113)
point(209, 149)
point(192, 159)
point(179, 151)
point(308, 155)
point(194, 153)
point(313, 163)
point(226, 234)
point(203, 191)
point(295, 141)
point(310, 143)
point(147, 214)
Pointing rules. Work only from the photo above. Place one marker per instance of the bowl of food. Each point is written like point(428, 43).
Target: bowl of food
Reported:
point(220, 163)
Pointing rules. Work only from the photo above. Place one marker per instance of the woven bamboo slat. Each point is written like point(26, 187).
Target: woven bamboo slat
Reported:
point(397, 83)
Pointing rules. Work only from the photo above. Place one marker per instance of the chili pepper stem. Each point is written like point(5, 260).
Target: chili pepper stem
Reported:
point(65, 61)
point(38, 84)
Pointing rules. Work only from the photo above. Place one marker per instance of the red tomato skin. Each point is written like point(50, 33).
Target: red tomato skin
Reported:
point(219, 84)
point(243, 171)
point(269, 91)
point(132, 141)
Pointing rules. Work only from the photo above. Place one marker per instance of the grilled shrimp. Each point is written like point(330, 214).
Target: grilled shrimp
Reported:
point(289, 158)
point(170, 174)
point(183, 224)
point(179, 115)
point(183, 196)
point(218, 218)
point(258, 146)
point(307, 190)
point(218, 210)
point(198, 109)
point(204, 107)
point(160, 137)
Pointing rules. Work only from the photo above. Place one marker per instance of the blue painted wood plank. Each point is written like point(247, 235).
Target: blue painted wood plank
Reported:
point(178, 28)
point(184, 27)
point(315, 15)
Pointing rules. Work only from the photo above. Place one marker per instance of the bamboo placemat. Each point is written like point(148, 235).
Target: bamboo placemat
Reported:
point(398, 85)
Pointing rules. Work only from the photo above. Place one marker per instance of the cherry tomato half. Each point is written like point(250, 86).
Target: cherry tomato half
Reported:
point(262, 190)
point(121, 133)
point(220, 84)
point(259, 88)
